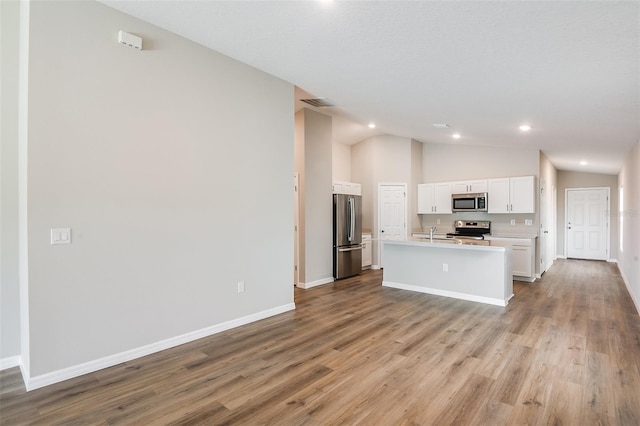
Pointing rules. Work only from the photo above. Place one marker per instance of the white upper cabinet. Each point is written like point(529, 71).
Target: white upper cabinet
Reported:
point(350, 188)
point(512, 195)
point(434, 198)
point(469, 186)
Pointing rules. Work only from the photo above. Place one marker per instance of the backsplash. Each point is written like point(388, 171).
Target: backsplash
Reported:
point(500, 223)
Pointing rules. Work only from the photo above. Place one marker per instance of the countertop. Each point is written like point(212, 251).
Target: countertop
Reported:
point(484, 245)
point(514, 235)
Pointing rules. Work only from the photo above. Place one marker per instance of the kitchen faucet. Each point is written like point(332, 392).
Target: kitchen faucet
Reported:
point(431, 231)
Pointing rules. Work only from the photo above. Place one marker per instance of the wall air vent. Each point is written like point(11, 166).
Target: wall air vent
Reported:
point(319, 102)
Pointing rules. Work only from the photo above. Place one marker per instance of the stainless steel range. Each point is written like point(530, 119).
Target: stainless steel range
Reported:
point(470, 229)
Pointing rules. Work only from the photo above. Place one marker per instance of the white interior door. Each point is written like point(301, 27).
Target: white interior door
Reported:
point(587, 226)
point(392, 218)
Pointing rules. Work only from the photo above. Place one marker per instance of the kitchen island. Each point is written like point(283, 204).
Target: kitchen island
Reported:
point(462, 269)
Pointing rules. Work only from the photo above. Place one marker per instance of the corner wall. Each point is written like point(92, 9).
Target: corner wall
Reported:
point(9, 283)
point(174, 176)
point(383, 159)
point(313, 154)
point(629, 257)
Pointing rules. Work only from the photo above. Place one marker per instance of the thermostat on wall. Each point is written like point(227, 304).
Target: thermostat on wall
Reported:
point(130, 40)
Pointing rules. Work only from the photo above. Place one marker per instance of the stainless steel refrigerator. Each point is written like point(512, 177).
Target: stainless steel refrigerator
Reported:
point(347, 235)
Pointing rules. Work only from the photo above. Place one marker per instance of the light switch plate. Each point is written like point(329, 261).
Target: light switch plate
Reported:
point(528, 222)
point(61, 236)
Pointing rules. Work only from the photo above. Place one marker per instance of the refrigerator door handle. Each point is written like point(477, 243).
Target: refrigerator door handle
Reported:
point(351, 219)
point(350, 249)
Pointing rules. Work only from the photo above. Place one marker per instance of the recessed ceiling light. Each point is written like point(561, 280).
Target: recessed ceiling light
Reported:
point(372, 125)
point(525, 127)
point(583, 163)
point(441, 125)
point(456, 136)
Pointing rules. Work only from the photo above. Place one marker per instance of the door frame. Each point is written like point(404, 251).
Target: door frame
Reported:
point(296, 228)
point(607, 217)
point(406, 216)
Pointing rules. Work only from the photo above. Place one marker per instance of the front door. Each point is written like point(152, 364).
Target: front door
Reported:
point(587, 225)
point(392, 202)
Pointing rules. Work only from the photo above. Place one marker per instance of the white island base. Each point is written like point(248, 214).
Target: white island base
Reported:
point(479, 273)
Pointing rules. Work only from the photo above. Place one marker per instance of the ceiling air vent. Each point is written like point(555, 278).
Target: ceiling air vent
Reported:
point(319, 102)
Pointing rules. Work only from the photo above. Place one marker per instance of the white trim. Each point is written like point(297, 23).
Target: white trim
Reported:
point(566, 215)
point(628, 285)
point(453, 294)
point(10, 362)
point(111, 360)
point(561, 257)
point(375, 267)
point(315, 283)
point(612, 260)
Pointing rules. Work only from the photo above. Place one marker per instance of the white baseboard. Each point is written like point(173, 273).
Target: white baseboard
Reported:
point(111, 360)
point(446, 293)
point(10, 362)
point(612, 260)
point(561, 257)
point(375, 267)
point(628, 285)
point(315, 283)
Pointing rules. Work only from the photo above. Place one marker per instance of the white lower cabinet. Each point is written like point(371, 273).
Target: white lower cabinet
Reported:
point(522, 256)
point(366, 250)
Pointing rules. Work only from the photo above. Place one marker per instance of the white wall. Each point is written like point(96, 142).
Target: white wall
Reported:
point(568, 179)
point(9, 285)
point(629, 257)
point(341, 162)
point(174, 176)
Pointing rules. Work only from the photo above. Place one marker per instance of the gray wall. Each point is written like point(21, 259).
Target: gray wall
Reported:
point(448, 162)
point(172, 166)
point(313, 160)
point(629, 257)
point(567, 179)
point(384, 159)
point(9, 285)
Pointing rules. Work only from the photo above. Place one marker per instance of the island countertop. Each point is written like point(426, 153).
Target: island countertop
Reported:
point(472, 270)
point(462, 244)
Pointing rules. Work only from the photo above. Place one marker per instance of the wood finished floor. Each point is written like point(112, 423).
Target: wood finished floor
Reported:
point(565, 351)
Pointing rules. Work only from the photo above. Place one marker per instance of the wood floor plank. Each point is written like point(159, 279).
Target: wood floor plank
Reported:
point(566, 350)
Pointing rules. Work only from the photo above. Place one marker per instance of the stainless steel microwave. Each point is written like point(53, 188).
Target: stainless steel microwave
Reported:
point(469, 202)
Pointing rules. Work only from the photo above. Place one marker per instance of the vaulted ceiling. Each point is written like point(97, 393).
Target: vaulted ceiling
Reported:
point(569, 69)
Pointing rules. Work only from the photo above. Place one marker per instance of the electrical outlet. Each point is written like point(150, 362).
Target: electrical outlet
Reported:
point(528, 222)
point(513, 221)
point(437, 221)
point(240, 286)
point(445, 267)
